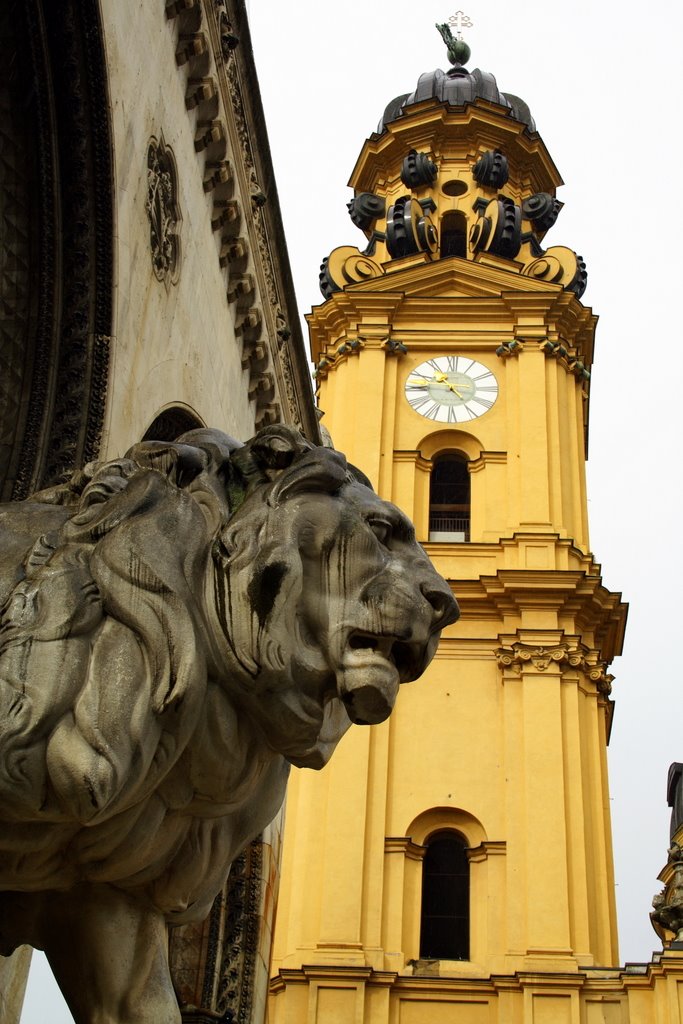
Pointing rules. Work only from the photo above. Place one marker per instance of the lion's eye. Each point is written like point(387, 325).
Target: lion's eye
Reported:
point(381, 529)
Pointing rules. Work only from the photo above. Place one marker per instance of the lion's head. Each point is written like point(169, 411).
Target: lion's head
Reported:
point(327, 601)
point(179, 618)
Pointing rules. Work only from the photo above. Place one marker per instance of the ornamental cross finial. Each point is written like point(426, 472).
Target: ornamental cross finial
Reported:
point(459, 21)
point(458, 50)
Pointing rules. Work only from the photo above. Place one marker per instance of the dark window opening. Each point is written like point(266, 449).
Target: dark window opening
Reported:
point(445, 922)
point(449, 500)
point(454, 235)
point(170, 424)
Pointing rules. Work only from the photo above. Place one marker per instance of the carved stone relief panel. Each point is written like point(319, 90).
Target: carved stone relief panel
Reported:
point(163, 211)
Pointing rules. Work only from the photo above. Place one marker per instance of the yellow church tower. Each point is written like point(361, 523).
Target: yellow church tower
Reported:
point(454, 864)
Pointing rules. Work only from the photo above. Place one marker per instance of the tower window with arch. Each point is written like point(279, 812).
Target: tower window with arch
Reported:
point(445, 913)
point(449, 499)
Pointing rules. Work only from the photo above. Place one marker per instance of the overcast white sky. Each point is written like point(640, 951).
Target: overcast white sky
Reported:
point(604, 84)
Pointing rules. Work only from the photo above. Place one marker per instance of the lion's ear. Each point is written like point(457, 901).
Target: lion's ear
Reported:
point(321, 470)
point(181, 463)
point(270, 452)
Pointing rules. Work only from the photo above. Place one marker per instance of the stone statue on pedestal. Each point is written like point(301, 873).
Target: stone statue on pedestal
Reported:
point(178, 627)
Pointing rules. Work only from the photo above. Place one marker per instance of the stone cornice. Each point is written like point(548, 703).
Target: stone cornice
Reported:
point(489, 848)
point(614, 981)
point(486, 459)
point(405, 846)
point(579, 595)
point(457, 302)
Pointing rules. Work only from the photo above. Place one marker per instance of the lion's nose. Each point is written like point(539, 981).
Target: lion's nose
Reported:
point(439, 596)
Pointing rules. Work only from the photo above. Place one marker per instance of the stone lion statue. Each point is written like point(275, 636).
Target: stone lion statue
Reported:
point(179, 626)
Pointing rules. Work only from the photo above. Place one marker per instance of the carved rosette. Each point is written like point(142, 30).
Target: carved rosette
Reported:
point(541, 659)
point(163, 211)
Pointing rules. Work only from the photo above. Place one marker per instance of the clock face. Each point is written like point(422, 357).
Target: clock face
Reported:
point(451, 389)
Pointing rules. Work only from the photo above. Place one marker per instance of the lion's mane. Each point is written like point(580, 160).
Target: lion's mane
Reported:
point(109, 664)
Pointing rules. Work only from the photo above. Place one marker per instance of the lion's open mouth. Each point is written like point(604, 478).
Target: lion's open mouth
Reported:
point(405, 657)
point(372, 668)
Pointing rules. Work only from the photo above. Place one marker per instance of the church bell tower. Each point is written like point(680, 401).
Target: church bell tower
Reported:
point(455, 862)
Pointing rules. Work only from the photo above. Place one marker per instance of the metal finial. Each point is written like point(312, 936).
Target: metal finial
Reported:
point(459, 21)
point(458, 50)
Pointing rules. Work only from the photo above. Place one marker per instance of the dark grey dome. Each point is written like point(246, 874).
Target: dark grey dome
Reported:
point(457, 87)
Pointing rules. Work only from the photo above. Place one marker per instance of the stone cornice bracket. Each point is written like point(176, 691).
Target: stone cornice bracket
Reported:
point(395, 348)
point(176, 7)
point(350, 348)
point(327, 362)
point(217, 174)
point(190, 47)
point(210, 133)
point(510, 348)
point(602, 679)
point(570, 362)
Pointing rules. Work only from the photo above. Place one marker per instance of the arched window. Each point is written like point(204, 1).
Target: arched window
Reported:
point(445, 917)
point(454, 235)
point(170, 424)
point(449, 499)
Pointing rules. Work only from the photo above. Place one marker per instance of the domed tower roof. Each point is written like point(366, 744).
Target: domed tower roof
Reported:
point(457, 86)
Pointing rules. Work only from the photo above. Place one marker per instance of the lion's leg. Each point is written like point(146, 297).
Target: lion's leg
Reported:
point(109, 954)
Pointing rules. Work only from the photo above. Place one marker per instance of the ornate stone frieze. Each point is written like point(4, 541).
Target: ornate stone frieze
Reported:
point(60, 382)
point(542, 658)
point(241, 946)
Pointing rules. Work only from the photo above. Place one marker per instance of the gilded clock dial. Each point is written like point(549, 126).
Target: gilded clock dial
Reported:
point(451, 389)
